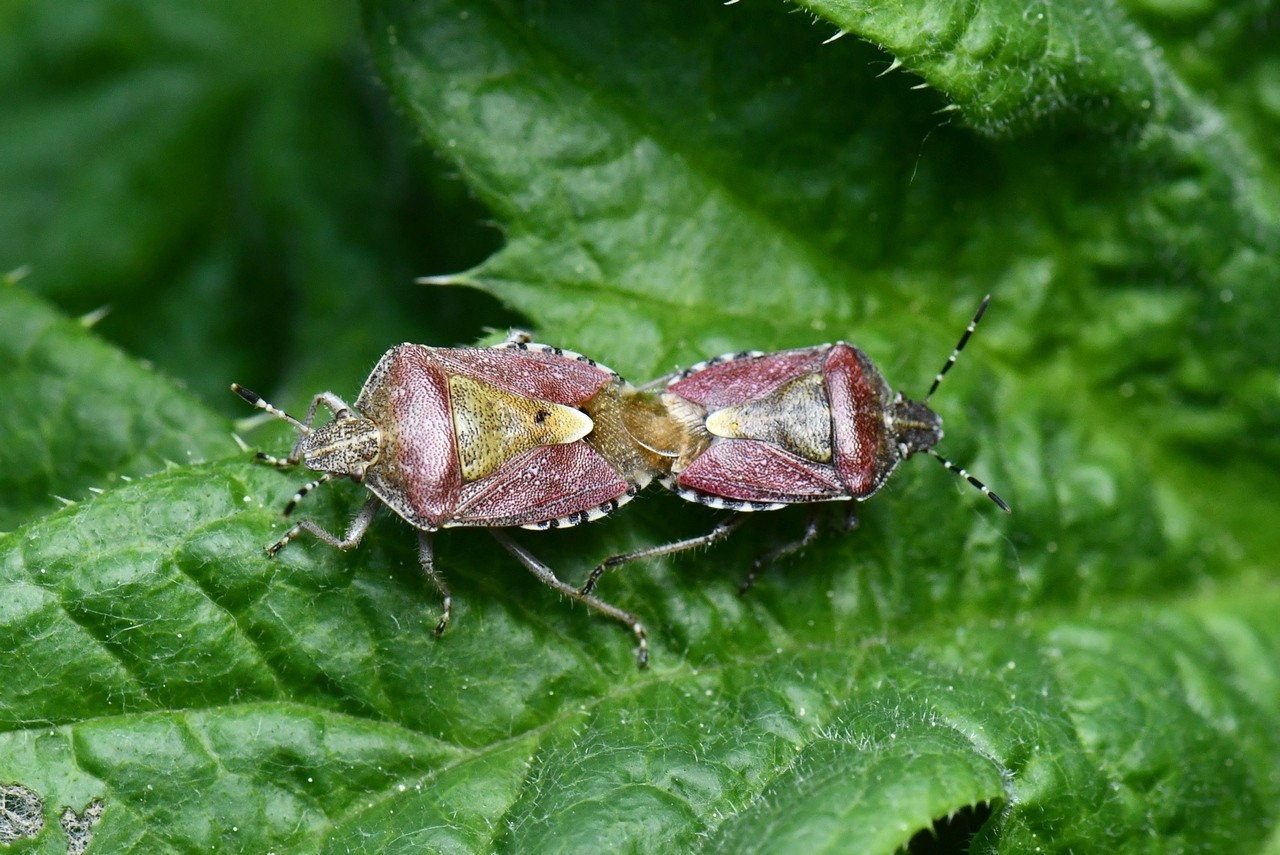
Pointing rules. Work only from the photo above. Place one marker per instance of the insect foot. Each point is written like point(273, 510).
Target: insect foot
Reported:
point(515, 435)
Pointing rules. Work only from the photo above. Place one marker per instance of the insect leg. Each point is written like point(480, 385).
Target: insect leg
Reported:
point(340, 408)
point(548, 577)
point(427, 554)
point(355, 531)
point(766, 558)
point(720, 532)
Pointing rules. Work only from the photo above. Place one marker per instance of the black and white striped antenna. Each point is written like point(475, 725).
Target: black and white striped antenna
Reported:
point(937, 381)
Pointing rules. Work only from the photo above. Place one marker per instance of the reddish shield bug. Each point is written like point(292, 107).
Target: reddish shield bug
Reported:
point(519, 434)
point(758, 431)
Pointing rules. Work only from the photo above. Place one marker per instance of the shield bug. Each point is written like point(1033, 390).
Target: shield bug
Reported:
point(756, 431)
point(515, 435)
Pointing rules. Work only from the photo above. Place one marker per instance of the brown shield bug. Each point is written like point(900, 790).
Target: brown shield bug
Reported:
point(759, 431)
point(519, 434)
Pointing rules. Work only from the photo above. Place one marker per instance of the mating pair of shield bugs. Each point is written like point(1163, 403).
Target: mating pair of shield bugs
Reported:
point(528, 435)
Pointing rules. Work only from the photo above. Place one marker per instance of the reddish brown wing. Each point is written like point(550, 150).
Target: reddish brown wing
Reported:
point(534, 373)
point(407, 395)
point(857, 394)
point(548, 482)
point(756, 471)
point(748, 470)
point(735, 381)
point(421, 480)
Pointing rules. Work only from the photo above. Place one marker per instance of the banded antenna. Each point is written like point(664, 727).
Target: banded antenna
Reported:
point(937, 381)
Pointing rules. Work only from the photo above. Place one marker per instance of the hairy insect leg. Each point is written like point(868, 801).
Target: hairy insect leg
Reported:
point(720, 532)
point(772, 555)
point(548, 577)
point(332, 401)
point(337, 406)
point(355, 531)
point(427, 555)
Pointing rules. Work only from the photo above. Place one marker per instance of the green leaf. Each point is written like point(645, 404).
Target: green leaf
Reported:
point(1096, 672)
point(223, 178)
point(305, 699)
point(72, 420)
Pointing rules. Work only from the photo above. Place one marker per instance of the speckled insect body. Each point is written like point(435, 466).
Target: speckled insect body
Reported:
point(766, 430)
point(756, 431)
point(519, 434)
point(533, 436)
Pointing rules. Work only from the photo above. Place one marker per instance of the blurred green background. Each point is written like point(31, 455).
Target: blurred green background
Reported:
point(231, 182)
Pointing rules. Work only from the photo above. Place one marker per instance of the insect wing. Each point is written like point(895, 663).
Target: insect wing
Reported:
point(859, 395)
point(550, 482)
point(418, 476)
point(733, 380)
point(751, 471)
point(535, 372)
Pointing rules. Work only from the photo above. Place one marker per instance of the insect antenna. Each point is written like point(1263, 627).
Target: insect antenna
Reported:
point(254, 398)
point(323, 479)
point(937, 381)
point(982, 488)
point(964, 339)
